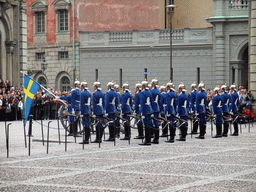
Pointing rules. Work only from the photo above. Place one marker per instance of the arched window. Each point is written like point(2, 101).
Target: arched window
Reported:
point(42, 81)
point(65, 84)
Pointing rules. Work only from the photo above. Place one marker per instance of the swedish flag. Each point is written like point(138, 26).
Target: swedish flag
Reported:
point(29, 90)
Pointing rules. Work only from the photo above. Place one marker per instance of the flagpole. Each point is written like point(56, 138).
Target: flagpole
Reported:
point(53, 94)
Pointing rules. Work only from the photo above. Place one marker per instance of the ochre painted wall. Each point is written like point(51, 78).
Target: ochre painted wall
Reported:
point(118, 15)
point(50, 22)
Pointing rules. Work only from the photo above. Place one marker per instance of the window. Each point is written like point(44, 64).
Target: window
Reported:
point(42, 81)
point(40, 22)
point(65, 84)
point(40, 56)
point(63, 20)
point(63, 55)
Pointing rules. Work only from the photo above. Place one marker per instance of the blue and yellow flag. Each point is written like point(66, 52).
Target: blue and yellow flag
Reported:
point(29, 90)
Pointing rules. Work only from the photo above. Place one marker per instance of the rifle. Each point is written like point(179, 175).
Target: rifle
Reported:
point(158, 120)
point(122, 118)
point(135, 117)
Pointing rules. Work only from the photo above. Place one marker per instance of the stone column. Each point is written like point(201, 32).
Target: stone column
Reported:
point(252, 48)
point(219, 55)
point(9, 59)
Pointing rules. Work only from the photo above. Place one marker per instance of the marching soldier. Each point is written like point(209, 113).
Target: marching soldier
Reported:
point(192, 105)
point(156, 109)
point(171, 103)
point(137, 110)
point(75, 107)
point(225, 102)
point(98, 110)
point(183, 110)
point(200, 110)
point(126, 108)
point(111, 109)
point(118, 108)
point(85, 111)
point(233, 107)
point(163, 110)
point(217, 112)
point(146, 111)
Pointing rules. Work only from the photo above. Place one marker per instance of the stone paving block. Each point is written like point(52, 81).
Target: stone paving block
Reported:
point(19, 174)
point(170, 167)
point(226, 186)
point(131, 181)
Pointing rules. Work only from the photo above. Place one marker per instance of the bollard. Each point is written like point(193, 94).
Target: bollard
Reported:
point(25, 137)
point(66, 135)
point(58, 128)
point(7, 139)
point(48, 135)
point(42, 128)
point(29, 133)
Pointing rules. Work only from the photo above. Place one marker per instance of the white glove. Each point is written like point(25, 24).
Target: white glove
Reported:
point(94, 116)
point(105, 115)
point(143, 117)
point(152, 115)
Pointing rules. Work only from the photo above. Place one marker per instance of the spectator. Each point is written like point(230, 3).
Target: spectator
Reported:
point(249, 100)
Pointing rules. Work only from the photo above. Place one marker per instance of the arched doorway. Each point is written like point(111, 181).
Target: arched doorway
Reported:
point(64, 84)
point(42, 81)
point(244, 69)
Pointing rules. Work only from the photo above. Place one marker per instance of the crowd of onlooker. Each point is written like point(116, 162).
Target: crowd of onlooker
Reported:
point(43, 106)
point(11, 103)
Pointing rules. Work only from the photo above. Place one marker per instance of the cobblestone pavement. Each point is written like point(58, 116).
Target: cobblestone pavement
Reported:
point(221, 164)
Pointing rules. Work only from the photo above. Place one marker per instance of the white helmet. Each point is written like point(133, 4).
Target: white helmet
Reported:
point(193, 85)
point(162, 87)
point(126, 85)
point(233, 86)
point(77, 82)
point(97, 84)
point(201, 85)
point(182, 86)
point(116, 86)
point(216, 89)
point(111, 84)
point(224, 87)
point(154, 81)
point(138, 85)
point(84, 84)
point(144, 83)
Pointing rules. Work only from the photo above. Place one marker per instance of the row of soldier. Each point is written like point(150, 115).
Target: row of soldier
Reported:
point(151, 109)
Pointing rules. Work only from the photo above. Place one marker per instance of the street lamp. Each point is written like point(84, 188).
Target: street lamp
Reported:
point(170, 12)
point(43, 68)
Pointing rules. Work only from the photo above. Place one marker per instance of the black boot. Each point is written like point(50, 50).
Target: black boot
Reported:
point(225, 131)
point(126, 132)
point(140, 132)
point(195, 127)
point(156, 139)
point(147, 137)
point(235, 129)
point(98, 135)
point(218, 131)
point(184, 130)
point(164, 131)
point(71, 130)
point(87, 133)
point(202, 132)
point(172, 134)
point(111, 133)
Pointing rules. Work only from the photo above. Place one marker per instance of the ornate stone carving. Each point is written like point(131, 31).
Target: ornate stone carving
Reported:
point(96, 37)
point(199, 33)
point(146, 35)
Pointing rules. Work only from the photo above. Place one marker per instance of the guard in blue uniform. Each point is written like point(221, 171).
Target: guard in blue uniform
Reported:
point(200, 110)
point(111, 108)
point(75, 108)
point(182, 111)
point(137, 110)
point(217, 112)
point(192, 105)
point(85, 104)
point(163, 109)
point(126, 109)
point(225, 109)
point(233, 107)
point(171, 103)
point(156, 109)
point(68, 99)
point(98, 103)
point(118, 108)
point(146, 111)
